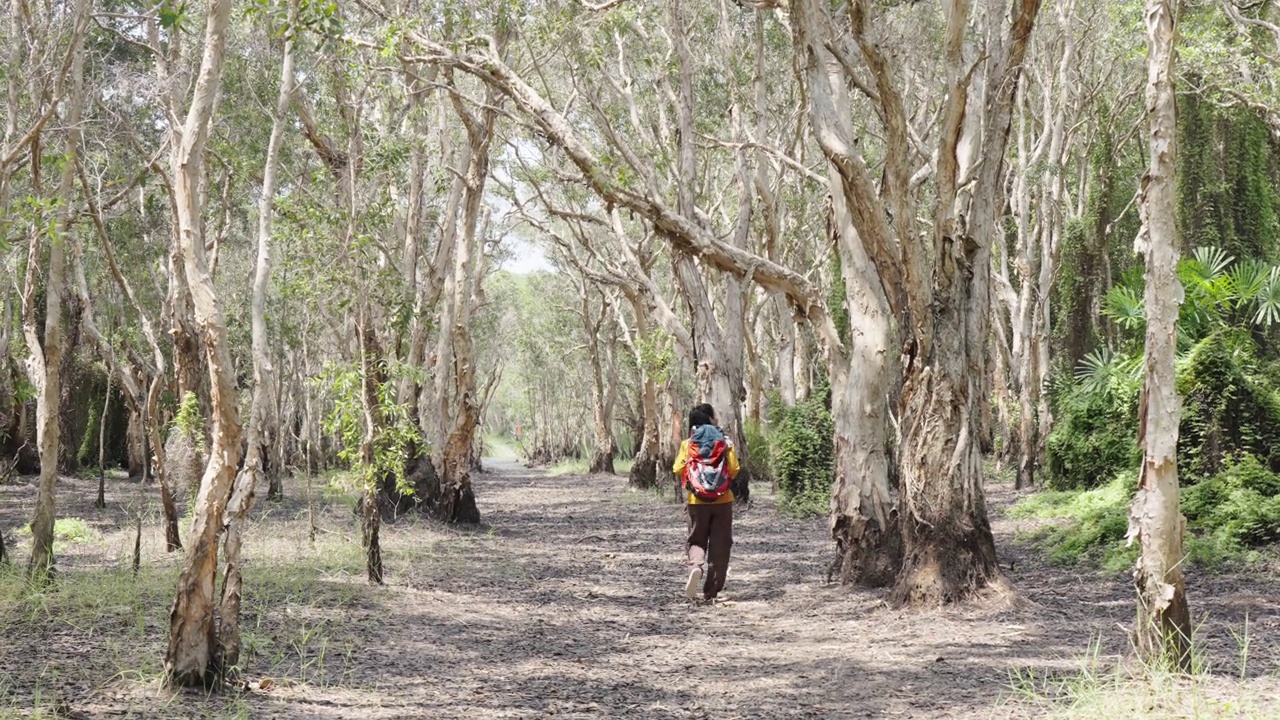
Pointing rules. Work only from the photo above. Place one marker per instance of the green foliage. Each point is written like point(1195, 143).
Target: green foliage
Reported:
point(1123, 305)
point(70, 530)
point(1237, 507)
point(836, 297)
point(1096, 521)
point(1227, 193)
point(173, 17)
point(189, 421)
point(760, 455)
point(394, 441)
point(1095, 435)
point(657, 354)
point(1227, 514)
point(1227, 407)
point(802, 456)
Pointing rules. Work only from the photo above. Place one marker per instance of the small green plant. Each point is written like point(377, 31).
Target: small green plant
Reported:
point(1238, 507)
point(1096, 521)
point(68, 530)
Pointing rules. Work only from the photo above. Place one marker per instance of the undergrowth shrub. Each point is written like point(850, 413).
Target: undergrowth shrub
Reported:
point(802, 456)
point(1227, 407)
point(1097, 520)
point(759, 460)
point(1237, 507)
point(1094, 437)
point(1228, 515)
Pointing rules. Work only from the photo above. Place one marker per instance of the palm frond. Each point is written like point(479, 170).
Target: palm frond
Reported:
point(1124, 305)
point(1248, 278)
point(1093, 374)
point(1268, 300)
point(1211, 262)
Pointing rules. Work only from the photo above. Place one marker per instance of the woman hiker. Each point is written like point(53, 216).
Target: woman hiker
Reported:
point(706, 465)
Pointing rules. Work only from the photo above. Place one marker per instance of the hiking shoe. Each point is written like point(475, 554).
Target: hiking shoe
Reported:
point(691, 585)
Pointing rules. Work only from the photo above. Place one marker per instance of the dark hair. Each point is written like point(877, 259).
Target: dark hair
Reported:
point(706, 409)
point(698, 417)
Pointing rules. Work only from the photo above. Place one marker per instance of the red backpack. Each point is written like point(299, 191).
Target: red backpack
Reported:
point(707, 477)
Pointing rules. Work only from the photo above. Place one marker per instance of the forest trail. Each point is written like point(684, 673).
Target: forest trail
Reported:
point(567, 603)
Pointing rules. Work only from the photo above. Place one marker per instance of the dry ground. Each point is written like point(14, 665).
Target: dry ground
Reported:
point(566, 603)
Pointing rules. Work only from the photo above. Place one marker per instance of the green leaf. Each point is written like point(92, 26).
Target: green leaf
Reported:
point(1125, 306)
point(1268, 300)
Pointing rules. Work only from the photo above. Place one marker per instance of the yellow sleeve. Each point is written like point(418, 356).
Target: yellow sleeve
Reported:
point(681, 459)
point(733, 463)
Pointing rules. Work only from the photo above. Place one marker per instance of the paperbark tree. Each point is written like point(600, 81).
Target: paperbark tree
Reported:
point(45, 359)
point(243, 495)
point(459, 403)
point(192, 654)
point(1041, 210)
point(1163, 627)
point(603, 385)
point(940, 294)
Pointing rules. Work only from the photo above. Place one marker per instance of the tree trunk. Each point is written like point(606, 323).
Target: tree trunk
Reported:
point(192, 655)
point(1163, 626)
point(800, 369)
point(457, 502)
point(101, 501)
point(46, 356)
point(151, 420)
point(785, 370)
point(601, 387)
point(644, 468)
point(371, 379)
point(243, 495)
point(948, 550)
point(864, 522)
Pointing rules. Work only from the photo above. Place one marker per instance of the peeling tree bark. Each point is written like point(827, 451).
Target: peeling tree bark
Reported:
point(864, 520)
point(1163, 628)
point(192, 657)
point(459, 403)
point(941, 293)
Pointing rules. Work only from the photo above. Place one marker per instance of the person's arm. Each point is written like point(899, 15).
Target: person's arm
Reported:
point(733, 463)
point(681, 459)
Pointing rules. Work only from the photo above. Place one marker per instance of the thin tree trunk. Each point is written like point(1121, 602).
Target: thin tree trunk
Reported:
point(191, 657)
point(1163, 627)
point(243, 495)
point(101, 502)
point(456, 502)
point(151, 420)
point(800, 368)
point(602, 410)
point(371, 379)
point(48, 421)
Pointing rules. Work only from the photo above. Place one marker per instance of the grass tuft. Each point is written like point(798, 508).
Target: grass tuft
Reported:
point(1119, 689)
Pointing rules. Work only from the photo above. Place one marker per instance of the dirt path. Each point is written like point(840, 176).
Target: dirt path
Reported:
point(567, 603)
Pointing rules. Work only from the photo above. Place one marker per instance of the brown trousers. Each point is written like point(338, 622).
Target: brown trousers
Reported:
point(710, 539)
